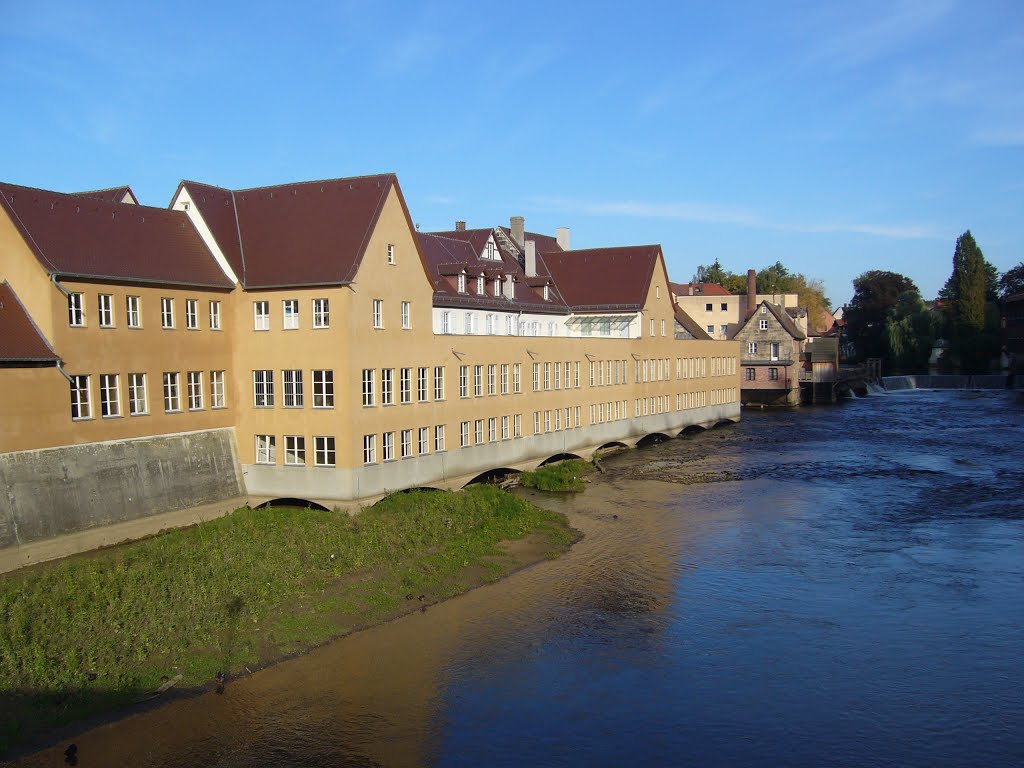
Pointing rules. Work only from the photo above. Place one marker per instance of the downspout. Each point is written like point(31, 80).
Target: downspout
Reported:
point(62, 372)
point(58, 286)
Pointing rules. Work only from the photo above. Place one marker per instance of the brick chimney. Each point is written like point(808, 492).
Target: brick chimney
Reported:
point(562, 236)
point(530, 267)
point(460, 226)
point(751, 292)
point(518, 226)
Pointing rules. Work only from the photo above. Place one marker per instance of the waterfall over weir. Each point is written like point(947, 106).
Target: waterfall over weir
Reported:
point(945, 381)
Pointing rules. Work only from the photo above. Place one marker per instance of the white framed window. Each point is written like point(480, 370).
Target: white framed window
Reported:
point(470, 324)
point(391, 253)
point(132, 313)
point(592, 369)
point(576, 375)
point(217, 389)
point(387, 386)
point(463, 381)
point(294, 450)
point(492, 429)
point(422, 388)
point(323, 388)
point(547, 294)
point(261, 315)
point(424, 440)
point(195, 390)
point(110, 396)
point(547, 421)
point(137, 405)
point(406, 315)
point(557, 383)
point(378, 313)
point(446, 322)
point(536, 422)
point(497, 287)
point(478, 430)
point(105, 310)
point(368, 386)
point(172, 392)
point(662, 327)
point(517, 425)
point(462, 282)
point(576, 416)
point(214, 315)
point(166, 312)
point(764, 309)
point(369, 449)
point(464, 434)
point(323, 451)
point(439, 383)
point(76, 310)
point(480, 285)
point(510, 325)
point(405, 447)
point(536, 377)
point(263, 389)
point(516, 382)
point(321, 313)
point(504, 427)
point(290, 314)
point(266, 449)
point(478, 380)
point(652, 326)
point(439, 438)
point(763, 323)
point(504, 378)
point(752, 348)
point(490, 321)
point(723, 330)
point(192, 314)
point(547, 377)
point(405, 386)
point(558, 419)
point(388, 446)
point(291, 386)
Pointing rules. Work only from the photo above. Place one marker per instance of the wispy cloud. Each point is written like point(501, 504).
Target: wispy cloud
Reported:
point(439, 200)
point(712, 213)
point(1003, 136)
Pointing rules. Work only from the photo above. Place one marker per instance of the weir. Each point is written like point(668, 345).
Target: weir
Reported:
point(946, 381)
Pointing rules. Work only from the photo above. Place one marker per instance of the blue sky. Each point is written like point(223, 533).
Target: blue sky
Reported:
point(835, 137)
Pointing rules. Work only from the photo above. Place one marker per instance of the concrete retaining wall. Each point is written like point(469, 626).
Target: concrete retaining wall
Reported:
point(61, 490)
point(945, 381)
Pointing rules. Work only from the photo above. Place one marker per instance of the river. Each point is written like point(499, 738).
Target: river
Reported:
point(834, 586)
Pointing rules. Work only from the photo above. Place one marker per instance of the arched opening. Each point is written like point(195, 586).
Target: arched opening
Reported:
point(495, 476)
point(723, 423)
point(652, 439)
point(609, 447)
point(693, 429)
point(559, 457)
point(291, 502)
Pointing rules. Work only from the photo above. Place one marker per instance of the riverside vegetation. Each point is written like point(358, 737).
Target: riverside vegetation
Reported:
point(565, 476)
point(96, 632)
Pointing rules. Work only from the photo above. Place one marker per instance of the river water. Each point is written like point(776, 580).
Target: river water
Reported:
point(839, 586)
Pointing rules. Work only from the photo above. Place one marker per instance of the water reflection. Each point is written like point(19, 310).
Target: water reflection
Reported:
point(829, 587)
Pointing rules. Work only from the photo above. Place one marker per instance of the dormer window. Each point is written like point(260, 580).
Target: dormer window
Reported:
point(462, 282)
point(497, 286)
point(490, 252)
point(480, 285)
point(547, 294)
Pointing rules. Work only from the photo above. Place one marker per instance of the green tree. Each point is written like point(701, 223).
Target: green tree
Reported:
point(910, 333)
point(876, 293)
point(1012, 281)
point(712, 274)
point(963, 294)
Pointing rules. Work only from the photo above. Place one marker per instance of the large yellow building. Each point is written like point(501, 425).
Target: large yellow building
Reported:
point(304, 341)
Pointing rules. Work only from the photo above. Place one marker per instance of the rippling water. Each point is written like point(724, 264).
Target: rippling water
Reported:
point(832, 586)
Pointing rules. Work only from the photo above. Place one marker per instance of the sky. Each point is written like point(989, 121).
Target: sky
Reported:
point(834, 137)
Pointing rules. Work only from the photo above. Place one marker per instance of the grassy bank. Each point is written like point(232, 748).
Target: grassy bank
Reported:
point(565, 476)
point(96, 632)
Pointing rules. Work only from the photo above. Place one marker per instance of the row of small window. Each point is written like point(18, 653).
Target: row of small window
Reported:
point(325, 447)
point(773, 374)
point(138, 397)
point(563, 418)
point(496, 284)
point(293, 388)
point(511, 327)
point(710, 307)
point(290, 314)
point(133, 312)
point(405, 383)
point(652, 327)
point(492, 435)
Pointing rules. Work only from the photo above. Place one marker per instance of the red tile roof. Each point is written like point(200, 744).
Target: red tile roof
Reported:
point(20, 339)
point(75, 236)
point(111, 194)
point(306, 233)
point(612, 279)
point(699, 289)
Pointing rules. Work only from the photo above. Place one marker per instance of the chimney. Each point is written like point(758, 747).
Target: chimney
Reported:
point(751, 293)
point(460, 226)
point(518, 226)
point(531, 259)
point(562, 236)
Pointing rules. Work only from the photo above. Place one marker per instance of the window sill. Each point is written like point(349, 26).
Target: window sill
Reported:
point(112, 416)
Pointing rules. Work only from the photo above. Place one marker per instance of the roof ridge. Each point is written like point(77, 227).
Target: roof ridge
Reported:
point(316, 181)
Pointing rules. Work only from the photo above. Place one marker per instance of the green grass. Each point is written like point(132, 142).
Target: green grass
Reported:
point(563, 476)
point(91, 633)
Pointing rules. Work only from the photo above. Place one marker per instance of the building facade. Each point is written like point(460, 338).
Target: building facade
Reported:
point(304, 341)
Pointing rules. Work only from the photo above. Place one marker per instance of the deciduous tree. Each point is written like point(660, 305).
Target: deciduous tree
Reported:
point(1012, 281)
point(876, 292)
